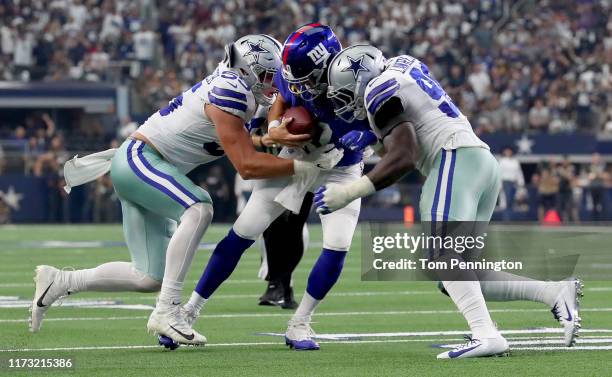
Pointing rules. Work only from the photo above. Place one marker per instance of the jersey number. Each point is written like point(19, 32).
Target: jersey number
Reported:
point(177, 102)
point(173, 105)
point(434, 90)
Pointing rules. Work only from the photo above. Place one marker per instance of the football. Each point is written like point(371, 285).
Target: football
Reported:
point(303, 122)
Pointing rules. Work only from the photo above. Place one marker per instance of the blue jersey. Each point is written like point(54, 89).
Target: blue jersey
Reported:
point(322, 109)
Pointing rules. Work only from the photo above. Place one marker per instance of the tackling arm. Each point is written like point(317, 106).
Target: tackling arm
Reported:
point(239, 148)
point(401, 153)
point(400, 157)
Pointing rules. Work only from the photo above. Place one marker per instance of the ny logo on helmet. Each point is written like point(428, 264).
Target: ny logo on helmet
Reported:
point(318, 54)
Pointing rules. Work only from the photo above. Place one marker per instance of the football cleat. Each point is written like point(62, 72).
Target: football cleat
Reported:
point(288, 299)
point(51, 285)
point(172, 323)
point(273, 295)
point(566, 309)
point(190, 315)
point(167, 342)
point(485, 347)
point(299, 336)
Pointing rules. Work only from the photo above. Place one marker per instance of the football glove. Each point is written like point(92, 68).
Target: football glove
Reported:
point(358, 140)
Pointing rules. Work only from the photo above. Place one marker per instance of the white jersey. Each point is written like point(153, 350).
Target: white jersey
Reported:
point(182, 132)
point(437, 121)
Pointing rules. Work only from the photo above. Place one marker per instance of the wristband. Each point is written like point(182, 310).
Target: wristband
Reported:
point(274, 124)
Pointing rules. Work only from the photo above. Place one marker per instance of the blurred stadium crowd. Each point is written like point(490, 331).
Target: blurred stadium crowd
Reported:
point(515, 66)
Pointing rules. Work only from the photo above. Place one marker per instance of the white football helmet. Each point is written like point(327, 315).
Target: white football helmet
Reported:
point(349, 73)
point(255, 57)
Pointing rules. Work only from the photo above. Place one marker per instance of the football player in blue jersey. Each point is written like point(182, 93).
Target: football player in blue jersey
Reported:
point(420, 128)
point(305, 58)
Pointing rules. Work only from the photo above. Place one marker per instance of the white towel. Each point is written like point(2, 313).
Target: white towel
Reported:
point(292, 196)
point(80, 170)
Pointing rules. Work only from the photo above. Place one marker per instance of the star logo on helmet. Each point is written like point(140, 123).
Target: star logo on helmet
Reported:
point(255, 49)
point(356, 66)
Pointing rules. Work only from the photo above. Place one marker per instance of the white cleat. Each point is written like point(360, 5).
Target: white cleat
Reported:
point(299, 336)
point(485, 347)
point(566, 309)
point(190, 314)
point(172, 323)
point(51, 285)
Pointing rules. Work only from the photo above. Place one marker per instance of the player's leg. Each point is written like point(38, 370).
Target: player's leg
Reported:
point(451, 193)
point(338, 229)
point(147, 235)
point(142, 176)
point(284, 246)
point(561, 296)
point(260, 211)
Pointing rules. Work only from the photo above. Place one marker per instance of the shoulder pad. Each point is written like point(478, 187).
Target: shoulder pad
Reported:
point(380, 90)
point(227, 91)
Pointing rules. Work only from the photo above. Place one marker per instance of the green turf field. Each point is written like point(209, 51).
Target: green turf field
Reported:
point(112, 341)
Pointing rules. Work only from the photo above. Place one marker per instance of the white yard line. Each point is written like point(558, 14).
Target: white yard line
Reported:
point(251, 344)
point(320, 314)
point(576, 348)
point(243, 281)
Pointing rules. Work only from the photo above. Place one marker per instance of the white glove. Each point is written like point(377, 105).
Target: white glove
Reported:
point(327, 160)
point(333, 196)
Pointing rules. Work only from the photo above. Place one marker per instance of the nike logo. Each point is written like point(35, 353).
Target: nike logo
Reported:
point(569, 313)
point(188, 337)
point(453, 354)
point(232, 84)
point(39, 303)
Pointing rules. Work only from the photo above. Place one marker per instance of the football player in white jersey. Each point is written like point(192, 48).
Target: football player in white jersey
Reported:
point(149, 171)
point(420, 127)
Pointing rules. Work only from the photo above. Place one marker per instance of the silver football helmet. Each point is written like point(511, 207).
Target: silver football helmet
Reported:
point(255, 57)
point(349, 73)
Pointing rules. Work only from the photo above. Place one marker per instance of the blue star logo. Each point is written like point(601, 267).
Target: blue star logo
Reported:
point(356, 66)
point(255, 49)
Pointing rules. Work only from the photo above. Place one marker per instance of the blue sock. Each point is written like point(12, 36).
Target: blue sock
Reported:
point(325, 273)
point(222, 263)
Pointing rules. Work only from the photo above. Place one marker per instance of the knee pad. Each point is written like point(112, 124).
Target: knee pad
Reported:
point(203, 211)
point(337, 243)
point(199, 213)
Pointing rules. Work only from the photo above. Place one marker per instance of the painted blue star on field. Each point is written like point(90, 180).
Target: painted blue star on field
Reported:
point(255, 49)
point(355, 66)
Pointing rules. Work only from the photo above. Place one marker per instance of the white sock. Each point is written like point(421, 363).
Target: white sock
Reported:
point(503, 286)
point(306, 308)
point(468, 298)
point(110, 277)
point(181, 249)
point(196, 301)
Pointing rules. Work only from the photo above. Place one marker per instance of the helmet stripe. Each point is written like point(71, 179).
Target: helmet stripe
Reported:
point(295, 35)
